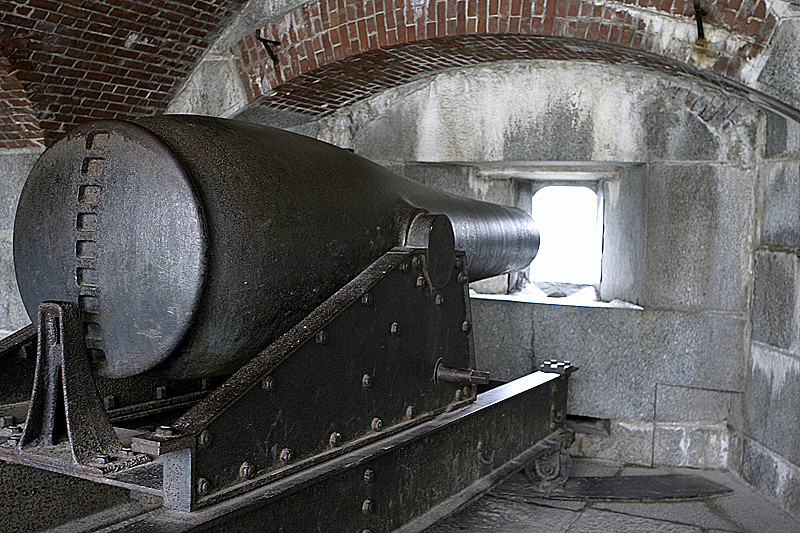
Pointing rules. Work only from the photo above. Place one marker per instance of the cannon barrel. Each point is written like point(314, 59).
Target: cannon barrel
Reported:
point(191, 242)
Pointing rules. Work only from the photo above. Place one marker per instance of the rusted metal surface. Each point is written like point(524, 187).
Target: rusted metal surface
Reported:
point(196, 241)
point(65, 405)
point(410, 479)
point(352, 369)
point(463, 375)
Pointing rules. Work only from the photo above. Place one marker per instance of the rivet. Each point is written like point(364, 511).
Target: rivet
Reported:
point(286, 456)
point(268, 384)
point(366, 381)
point(161, 392)
point(465, 326)
point(102, 458)
point(439, 299)
point(421, 282)
point(458, 395)
point(377, 424)
point(247, 470)
point(366, 507)
point(335, 439)
point(109, 401)
point(369, 475)
point(403, 266)
point(322, 337)
point(416, 262)
point(204, 439)
point(462, 278)
point(165, 431)
point(366, 299)
point(410, 412)
point(201, 486)
point(394, 329)
point(7, 421)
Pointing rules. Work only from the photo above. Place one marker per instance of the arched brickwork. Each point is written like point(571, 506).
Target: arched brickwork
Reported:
point(18, 125)
point(81, 60)
point(351, 48)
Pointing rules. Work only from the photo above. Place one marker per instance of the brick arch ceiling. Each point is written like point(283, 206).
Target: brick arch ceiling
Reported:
point(67, 61)
point(335, 52)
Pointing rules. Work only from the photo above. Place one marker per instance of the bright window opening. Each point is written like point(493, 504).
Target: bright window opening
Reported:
point(570, 226)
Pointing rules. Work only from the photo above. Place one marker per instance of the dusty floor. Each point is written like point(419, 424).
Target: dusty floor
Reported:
point(508, 509)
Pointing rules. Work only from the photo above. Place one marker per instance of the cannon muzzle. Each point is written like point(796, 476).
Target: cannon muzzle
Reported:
point(190, 242)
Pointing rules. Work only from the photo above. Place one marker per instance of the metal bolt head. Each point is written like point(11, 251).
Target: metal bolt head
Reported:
point(410, 412)
point(322, 337)
point(416, 262)
point(201, 486)
point(377, 424)
point(204, 438)
point(247, 470)
point(366, 381)
point(421, 282)
point(102, 458)
point(369, 475)
point(165, 431)
point(161, 392)
point(109, 401)
point(286, 456)
point(7, 421)
point(439, 299)
point(394, 329)
point(466, 326)
point(335, 439)
point(268, 384)
point(459, 396)
point(366, 299)
point(403, 266)
point(366, 507)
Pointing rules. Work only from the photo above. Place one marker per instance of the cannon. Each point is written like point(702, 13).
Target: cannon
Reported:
point(226, 310)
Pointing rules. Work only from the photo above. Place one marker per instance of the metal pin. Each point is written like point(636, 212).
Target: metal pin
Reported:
point(286, 456)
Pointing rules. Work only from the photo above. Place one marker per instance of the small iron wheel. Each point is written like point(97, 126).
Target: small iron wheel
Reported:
point(550, 471)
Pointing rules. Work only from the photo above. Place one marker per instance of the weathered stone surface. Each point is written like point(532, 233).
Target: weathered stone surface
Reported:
point(594, 521)
point(12, 313)
point(214, 88)
point(622, 353)
point(699, 227)
point(462, 180)
point(772, 402)
point(496, 515)
point(698, 445)
point(780, 199)
point(629, 441)
point(14, 169)
point(625, 236)
point(503, 335)
point(675, 403)
point(566, 112)
point(771, 474)
point(781, 73)
point(775, 298)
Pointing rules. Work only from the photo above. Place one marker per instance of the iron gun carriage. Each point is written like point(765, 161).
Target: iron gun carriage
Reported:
point(233, 318)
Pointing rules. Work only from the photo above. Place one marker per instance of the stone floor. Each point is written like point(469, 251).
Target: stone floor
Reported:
point(508, 510)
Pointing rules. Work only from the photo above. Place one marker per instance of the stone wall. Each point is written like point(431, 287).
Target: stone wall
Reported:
point(670, 377)
point(771, 413)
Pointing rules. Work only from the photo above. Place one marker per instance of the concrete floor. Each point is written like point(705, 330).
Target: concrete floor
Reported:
point(507, 509)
